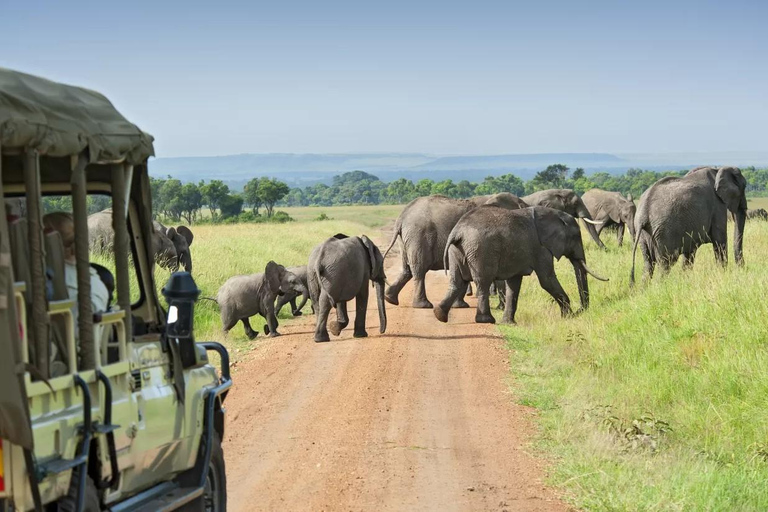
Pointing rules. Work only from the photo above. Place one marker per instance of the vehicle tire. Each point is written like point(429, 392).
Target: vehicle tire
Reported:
point(68, 503)
point(215, 493)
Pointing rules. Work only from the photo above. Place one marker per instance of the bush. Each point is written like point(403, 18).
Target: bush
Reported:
point(323, 216)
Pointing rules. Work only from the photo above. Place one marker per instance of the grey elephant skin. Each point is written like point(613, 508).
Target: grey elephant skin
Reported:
point(492, 243)
point(169, 245)
point(675, 216)
point(423, 227)
point(566, 201)
point(340, 270)
point(242, 297)
point(291, 296)
point(611, 209)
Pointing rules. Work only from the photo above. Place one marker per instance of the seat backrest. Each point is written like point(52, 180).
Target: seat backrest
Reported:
point(54, 260)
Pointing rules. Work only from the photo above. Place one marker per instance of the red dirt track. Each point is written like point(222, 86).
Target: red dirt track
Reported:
point(420, 418)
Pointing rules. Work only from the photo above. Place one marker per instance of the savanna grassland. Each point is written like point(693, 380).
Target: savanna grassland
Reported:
point(657, 397)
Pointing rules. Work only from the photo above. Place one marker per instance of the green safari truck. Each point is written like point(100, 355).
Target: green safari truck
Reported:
point(111, 409)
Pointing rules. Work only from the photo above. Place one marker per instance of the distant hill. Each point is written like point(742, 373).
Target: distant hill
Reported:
point(302, 169)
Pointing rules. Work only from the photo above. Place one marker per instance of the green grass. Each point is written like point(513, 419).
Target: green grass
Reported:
point(372, 216)
point(657, 397)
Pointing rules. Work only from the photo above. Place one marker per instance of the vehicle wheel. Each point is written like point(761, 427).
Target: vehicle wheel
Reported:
point(215, 493)
point(68, 503)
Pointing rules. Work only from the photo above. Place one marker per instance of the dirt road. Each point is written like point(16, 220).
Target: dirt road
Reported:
point(420, 418)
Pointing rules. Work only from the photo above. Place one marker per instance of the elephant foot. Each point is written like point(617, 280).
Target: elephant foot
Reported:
point(440, 314)
point(422, 304)
point(508, 321)
point(484, 319)
point(322, 338)
point(297, 313)
point(266, 329)
point(392, 299)
point(460, 304)
point(274, 334)
point(361, 334)
point(252, 335)
point(334, 327)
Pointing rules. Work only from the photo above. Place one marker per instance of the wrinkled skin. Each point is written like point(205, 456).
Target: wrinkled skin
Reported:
point(423, 228)
point(242, 297)
point(677, 215)
point(291, 296)
point(566, 201)
point(169, 251)
point(492, 243)
point(339, 270)
point(612, 209)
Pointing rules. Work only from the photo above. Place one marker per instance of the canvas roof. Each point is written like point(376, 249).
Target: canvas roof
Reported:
point(62, 120)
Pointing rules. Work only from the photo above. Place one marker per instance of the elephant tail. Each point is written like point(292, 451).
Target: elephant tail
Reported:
point(634, 253)
point(395, 234)
point(452, 240)
point(210, 299)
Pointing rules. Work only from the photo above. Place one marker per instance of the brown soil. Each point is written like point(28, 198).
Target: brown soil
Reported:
point(420, 418)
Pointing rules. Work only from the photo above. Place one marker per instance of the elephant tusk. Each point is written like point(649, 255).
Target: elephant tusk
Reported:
point(594, 222)
point(599, 278)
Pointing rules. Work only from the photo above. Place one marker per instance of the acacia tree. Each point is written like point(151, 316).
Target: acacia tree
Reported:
point(270, 191)
point(251, 195)
point(214, 193)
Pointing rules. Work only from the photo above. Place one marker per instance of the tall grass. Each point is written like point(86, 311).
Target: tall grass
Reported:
point(657, 397)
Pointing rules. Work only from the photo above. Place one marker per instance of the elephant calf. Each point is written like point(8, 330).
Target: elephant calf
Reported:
point(241, 297)
point(491, 243)
point(339, 270)
point(291, 296)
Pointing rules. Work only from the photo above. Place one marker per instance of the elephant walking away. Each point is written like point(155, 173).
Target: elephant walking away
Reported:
point(340, 270)
point(291, 296)
point(242, 297)
point(569, 202)
point(423, 228)
point(677, 215)
point(611, 209)
point(491, 243)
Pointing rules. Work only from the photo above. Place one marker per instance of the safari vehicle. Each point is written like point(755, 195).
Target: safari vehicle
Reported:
point(99, 410)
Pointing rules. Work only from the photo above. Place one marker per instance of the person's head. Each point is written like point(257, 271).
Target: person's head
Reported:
point(63, 223)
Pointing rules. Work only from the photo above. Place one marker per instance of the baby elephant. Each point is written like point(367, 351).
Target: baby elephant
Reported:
point(339, 270)
point(301, 275)
point(241, 297)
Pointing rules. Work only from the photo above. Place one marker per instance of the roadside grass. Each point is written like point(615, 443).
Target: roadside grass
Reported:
point(657, 397)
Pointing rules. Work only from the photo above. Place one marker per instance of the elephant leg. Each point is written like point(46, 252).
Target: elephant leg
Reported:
point(456, 290)
point(466, 286)
point(688, 259)
point(548, 281)
point(342, 319)
point(649, 258)
point(720, 246)
point(512, 293)
point(281, 301)
point(393, 290)
point(325, 303)
point(420, 300)
point(469, 289)
point(620, 235)
point(297, 309)
point(248, 329)
point(483, 314)
point(361, 308)
point(271, 325)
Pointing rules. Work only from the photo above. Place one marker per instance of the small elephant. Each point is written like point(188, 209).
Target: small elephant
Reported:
point(612, 209)
point(339, 270)
point(181, 238)
point(241, 297)
point(759, 214)
point(291, 296)
point(569, 202)
point(492, 243)
point(677, 215)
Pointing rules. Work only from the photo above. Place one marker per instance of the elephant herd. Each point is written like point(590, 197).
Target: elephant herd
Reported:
point(492, 241)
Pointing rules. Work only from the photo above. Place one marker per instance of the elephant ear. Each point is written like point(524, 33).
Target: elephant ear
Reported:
point(186, 233)
point(272, 273)
point(170, 233)
point(372, 255)
point(550, 228)
point(729, 187)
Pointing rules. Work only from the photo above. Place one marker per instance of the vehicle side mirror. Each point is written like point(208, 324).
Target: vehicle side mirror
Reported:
point(181, 293)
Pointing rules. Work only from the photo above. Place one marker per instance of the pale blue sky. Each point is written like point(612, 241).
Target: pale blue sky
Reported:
point(439, 77)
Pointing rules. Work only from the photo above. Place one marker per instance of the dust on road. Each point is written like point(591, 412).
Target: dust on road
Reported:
point(420, 418)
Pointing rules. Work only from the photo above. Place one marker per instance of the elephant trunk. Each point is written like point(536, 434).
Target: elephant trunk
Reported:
point(585, 215)
point(382, 311)
point(580, 267)
point(738, 236)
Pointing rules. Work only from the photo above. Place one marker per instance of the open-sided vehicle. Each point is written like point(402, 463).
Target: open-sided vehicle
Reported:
point(99, 410)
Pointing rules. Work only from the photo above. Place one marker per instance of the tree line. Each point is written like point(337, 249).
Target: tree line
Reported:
point(178, 201)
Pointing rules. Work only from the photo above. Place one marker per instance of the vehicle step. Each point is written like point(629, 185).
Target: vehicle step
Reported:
point(56, 466)
point(161, 498)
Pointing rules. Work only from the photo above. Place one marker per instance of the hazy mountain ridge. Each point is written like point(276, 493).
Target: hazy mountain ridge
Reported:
point(301, 169)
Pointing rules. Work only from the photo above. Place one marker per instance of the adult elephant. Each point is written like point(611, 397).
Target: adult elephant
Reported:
point(611, 209)
point(169, 245)
point(677, 215)
point(491, 243)
point(759, 214)
point(569, 202)
point(423, 227)
point(340, 270)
